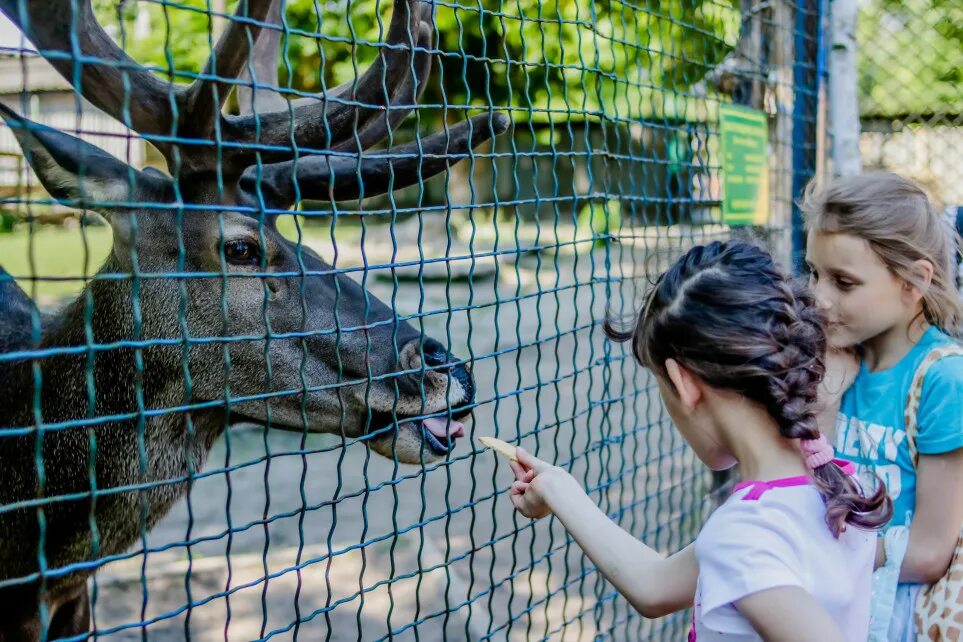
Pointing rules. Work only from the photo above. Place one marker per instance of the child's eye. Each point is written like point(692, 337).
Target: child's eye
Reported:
point(845, 285)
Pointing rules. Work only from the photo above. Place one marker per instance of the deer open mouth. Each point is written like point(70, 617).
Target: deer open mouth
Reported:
point(437, 432)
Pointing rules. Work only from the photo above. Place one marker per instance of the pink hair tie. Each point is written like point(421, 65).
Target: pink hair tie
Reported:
point(816, 452)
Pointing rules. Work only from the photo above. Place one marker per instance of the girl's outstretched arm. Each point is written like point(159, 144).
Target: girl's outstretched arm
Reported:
point(653, 584)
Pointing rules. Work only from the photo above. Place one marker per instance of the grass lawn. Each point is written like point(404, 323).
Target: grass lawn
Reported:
point(63, 258)
point(60, 260)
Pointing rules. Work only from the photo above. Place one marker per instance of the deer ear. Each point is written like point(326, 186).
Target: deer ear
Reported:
point(77, 173)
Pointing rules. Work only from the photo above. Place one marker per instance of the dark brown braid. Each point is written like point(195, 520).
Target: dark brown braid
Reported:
point(731, 317)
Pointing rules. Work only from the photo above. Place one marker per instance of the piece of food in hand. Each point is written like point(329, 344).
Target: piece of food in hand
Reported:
point(499, 446)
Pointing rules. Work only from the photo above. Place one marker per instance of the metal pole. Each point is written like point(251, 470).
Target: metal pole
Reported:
point(805, 115)
point(843, 102)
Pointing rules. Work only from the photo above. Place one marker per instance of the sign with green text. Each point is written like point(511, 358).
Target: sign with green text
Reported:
point(745, 168)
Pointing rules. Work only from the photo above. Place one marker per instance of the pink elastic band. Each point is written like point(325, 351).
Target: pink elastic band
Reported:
point(759, 488)
point(816, 452)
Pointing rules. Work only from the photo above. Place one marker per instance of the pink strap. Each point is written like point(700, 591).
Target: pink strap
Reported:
point(758, 488)
point(816, 452)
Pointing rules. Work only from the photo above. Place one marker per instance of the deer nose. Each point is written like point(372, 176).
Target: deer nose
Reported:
point(436, 356)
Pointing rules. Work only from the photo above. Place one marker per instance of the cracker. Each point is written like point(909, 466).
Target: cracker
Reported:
point(501, 447)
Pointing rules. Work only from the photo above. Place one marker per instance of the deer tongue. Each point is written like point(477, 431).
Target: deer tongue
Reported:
point(442, 428)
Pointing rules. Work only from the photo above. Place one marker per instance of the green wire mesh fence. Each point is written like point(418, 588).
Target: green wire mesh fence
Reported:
point(231, 419)
point(910, 61)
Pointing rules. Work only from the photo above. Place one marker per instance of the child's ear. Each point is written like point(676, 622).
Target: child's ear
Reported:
point(922, 271)
point(686, 386)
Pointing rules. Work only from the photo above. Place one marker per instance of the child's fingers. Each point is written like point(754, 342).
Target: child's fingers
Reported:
point(522, 473)
point(519, 486)
point(530, 461)
point(518, 469)
point(518, 501)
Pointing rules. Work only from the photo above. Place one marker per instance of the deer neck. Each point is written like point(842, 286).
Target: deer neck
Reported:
point(133, 384)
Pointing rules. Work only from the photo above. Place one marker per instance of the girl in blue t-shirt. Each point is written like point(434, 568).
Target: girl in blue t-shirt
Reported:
point(881, 266)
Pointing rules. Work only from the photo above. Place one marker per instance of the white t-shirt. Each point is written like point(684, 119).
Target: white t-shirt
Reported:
point(775, 535)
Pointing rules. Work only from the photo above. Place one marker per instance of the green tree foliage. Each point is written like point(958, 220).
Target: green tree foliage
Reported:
point(546, 59)
point(911, 60)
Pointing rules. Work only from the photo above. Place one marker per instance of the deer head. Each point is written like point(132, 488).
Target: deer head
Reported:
point(293, 342)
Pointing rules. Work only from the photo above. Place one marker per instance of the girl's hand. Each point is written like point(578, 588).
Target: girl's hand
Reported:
point(653, 584)
point(536, 484)
point(880, 554)
point(842, 366)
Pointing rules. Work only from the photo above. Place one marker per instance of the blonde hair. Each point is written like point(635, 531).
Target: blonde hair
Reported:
point(895, 216)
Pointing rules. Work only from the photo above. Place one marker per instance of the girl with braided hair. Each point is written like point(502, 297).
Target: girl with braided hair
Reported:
point(737, 351)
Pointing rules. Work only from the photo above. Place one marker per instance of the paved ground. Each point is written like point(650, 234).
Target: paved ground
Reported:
point(356, 547)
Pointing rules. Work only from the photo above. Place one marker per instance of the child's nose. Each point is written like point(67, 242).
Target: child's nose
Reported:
point(823, 302)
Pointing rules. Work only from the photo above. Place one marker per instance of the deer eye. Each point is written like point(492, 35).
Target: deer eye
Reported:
point(242, 253)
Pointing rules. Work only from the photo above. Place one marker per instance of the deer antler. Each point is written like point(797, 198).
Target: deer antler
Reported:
point(206, 96)
point(355, 116)
point(349, 118)
point(333, 119)
point(67, 34)
point(349, 177)
point(262, 95)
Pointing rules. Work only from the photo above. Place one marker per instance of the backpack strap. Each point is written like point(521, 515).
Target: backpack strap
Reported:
point(916, 392)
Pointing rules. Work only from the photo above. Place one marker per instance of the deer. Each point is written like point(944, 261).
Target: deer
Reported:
point(204, 316)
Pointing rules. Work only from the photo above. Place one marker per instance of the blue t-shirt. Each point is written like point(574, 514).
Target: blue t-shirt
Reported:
point(870, 430)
